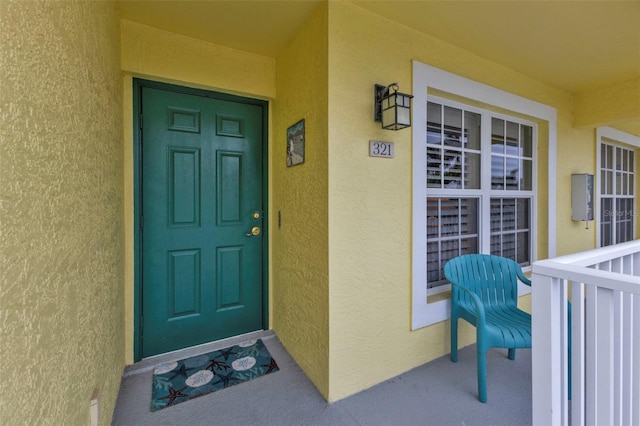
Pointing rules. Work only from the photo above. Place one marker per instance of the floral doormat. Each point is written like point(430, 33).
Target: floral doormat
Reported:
point(180, 381)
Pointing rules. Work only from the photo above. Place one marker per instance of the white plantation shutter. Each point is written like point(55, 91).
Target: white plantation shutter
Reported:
point(452, 230)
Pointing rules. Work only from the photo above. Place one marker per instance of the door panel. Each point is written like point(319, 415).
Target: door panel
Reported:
point(229, 187)
point(184, 190)
point(229, 277)
point(201, 183)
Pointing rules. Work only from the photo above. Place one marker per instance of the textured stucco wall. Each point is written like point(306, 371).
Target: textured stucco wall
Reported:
point(300, 247)
point(170, 57)
point(609, 105)
point(61, 293)
point(370, 198)
point(164, 56)
point(629, 126)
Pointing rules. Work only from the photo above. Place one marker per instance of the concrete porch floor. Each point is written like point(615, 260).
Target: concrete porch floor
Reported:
point(437, 393)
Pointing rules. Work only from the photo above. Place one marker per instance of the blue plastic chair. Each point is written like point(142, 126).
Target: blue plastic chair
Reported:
point(484, 292)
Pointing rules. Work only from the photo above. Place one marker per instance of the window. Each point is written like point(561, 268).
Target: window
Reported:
point(474, 180)
point(452, 228)
point(510, 230)
point(453, 147)
point(458, 187)
point(616, 186)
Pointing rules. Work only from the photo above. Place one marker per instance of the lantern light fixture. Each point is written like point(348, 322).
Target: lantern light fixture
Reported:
point(392, 108)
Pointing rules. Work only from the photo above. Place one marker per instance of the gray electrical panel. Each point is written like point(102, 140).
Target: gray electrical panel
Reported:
point(582, 197)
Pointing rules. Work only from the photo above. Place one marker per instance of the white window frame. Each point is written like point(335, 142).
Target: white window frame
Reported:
point(610, 136)
point(424, 78)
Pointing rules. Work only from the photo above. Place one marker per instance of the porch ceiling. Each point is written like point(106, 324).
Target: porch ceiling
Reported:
point(572, 45)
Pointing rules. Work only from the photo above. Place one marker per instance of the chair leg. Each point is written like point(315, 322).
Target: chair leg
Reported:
point(512, 353)
point(482, 374)
point(454, 339)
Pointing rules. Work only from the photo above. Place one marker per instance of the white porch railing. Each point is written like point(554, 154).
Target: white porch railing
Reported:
point(605, 337)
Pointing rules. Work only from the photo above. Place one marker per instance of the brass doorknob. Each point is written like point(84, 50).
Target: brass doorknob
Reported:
point(255, 231)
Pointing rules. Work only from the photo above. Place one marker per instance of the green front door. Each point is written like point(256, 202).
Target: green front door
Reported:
point(201, 198)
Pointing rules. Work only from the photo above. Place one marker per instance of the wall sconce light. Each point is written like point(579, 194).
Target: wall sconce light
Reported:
point(392, 108)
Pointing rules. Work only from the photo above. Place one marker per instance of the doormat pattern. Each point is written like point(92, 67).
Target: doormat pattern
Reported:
point(180, 381)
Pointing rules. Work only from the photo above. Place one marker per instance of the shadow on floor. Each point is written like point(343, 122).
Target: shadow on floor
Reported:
point(437, 393)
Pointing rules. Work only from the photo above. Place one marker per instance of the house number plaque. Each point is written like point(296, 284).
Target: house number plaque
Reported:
point(380, 149)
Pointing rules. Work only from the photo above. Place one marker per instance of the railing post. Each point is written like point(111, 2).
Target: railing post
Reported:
point(549, 359)
point(578, 353)
point(635, 373)
point(603, 351)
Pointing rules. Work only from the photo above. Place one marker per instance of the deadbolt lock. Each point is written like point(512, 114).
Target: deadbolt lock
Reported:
point(255, 215)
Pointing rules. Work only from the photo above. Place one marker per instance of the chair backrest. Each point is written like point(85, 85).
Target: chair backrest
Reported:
point(493, 279)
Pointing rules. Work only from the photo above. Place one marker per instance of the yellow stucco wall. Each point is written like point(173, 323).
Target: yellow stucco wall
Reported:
point(609, 105)
point(61, 296)
point(370, 199)
point(163, 56)
point(300, 246)
point(631, 126)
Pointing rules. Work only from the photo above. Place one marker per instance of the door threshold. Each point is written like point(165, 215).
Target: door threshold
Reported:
point(148, 364)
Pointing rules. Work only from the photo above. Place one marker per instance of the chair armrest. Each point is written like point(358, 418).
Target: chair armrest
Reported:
point(522, 278)
point(479, 306)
